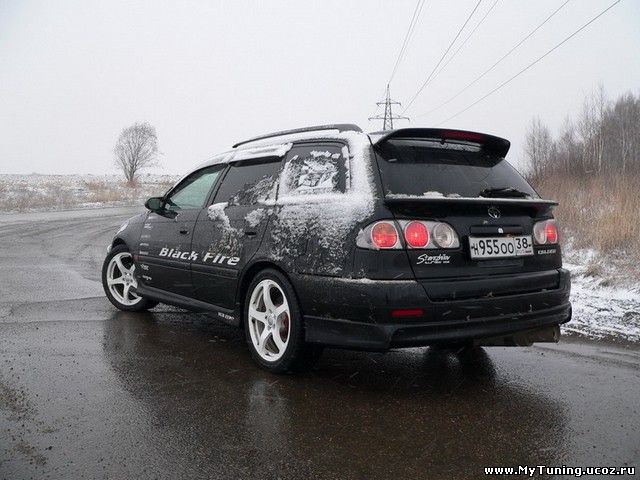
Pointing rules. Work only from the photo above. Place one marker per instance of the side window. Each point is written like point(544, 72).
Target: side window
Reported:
point(315, 169)
point(193, 191)
point(249, 182)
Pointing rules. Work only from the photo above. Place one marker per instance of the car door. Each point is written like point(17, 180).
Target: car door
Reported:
point(165, 242)
point(229, 231)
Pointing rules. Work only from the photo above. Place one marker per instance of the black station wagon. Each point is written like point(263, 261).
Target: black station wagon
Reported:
point(328, 236)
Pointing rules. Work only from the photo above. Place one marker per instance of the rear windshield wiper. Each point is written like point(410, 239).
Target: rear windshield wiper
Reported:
point(508, 192)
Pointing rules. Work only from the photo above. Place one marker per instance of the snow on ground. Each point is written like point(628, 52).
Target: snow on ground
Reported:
point(601, 310)
point(35, 192)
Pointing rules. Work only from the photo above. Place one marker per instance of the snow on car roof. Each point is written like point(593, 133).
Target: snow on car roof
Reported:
point(277, 150)
point(279, 146)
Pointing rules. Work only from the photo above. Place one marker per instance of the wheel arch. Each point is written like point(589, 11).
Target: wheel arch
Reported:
point(118, 241)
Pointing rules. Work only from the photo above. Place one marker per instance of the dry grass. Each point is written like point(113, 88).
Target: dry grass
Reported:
point(59, 192)
point(98, 191)
point(593, 269)
point(598, 212)
point(103, 192)
point(47, 197)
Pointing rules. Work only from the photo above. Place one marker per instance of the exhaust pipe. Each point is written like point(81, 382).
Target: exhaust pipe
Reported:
point(545, 335)
point(522, 339)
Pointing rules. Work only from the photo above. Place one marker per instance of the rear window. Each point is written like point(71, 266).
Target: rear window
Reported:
point(422, 167)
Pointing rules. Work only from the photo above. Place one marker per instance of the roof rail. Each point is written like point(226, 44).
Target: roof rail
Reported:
point(341, 127)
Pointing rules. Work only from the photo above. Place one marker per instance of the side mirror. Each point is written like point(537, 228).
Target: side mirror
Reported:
point(155, 204)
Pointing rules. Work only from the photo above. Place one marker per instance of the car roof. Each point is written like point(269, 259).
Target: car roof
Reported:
point(340, 127)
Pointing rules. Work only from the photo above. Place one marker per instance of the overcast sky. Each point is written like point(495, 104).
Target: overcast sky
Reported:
point(207, 74)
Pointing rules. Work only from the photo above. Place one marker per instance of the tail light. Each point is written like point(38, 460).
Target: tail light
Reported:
point(438, 234)
point(445, 236)
point(551, 231)
point(384, 235)
point(545, 232)
point(418, 234)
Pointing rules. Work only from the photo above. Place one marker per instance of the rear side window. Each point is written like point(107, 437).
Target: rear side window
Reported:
point(421, 167)
point(249, 182)
point(315, 169)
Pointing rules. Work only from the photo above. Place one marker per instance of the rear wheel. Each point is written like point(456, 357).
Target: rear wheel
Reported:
point(119, 282)
point(274, 327)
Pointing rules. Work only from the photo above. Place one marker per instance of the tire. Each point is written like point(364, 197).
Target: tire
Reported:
point(119, 283)
point(274, 327)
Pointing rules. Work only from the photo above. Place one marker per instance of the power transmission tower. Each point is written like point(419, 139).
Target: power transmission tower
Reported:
point(388, 117)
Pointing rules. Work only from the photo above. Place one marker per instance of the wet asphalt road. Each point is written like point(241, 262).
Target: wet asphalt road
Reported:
point(89, 392)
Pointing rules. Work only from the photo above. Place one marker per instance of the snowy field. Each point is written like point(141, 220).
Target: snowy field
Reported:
point(35, 192)
point(605, 294)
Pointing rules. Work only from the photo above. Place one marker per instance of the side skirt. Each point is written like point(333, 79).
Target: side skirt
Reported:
point(227, 316)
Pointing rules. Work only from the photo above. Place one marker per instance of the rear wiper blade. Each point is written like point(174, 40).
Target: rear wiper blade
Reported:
point(508, 192)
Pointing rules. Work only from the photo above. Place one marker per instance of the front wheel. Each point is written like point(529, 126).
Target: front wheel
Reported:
point(274, 327)
point(119, 282)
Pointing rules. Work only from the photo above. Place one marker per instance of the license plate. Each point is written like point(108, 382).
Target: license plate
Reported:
point(500, 247)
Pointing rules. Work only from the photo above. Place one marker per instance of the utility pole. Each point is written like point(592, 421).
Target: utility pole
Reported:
point(388, 117)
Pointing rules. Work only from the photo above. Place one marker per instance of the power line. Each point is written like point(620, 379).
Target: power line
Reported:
point(407, 38)
point(534, 62)
point(466, 39)
point(475, 80)
point(388, 116)
point(442, 58)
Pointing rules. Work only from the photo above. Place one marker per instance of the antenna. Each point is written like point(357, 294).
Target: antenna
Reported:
point(388, 117)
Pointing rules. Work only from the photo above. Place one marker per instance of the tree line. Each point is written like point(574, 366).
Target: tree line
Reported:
point(604, 140)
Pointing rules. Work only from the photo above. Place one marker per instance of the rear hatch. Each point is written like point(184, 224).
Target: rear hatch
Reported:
point(462, 179)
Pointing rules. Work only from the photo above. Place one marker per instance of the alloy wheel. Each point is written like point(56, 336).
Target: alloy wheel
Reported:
point(121, 280)
point(269, 320)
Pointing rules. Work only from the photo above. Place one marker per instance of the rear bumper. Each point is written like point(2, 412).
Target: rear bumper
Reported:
point(383, 336)
point(356, 314)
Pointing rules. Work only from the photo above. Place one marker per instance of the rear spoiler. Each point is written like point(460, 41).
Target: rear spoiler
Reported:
point(488, 143)
point(404, 199)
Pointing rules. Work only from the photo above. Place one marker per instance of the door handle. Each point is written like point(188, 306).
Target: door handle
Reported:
point(184, 231)
point(250, 233)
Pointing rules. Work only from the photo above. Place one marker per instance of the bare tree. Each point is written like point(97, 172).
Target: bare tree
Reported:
point(567, 149)
point(624, 120)
point(539, 149)
point(136, 148)
point(600, 103)
point(591, 130)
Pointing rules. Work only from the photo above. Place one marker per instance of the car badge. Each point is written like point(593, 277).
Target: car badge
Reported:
point(493, 212)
